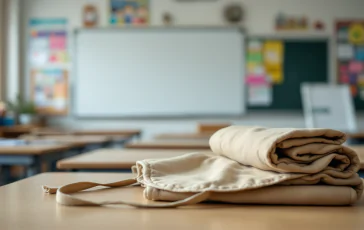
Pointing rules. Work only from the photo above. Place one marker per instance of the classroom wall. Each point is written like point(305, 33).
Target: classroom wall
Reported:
point(259, 20)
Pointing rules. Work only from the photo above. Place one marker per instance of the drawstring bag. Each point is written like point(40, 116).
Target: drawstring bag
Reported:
point(248, 165)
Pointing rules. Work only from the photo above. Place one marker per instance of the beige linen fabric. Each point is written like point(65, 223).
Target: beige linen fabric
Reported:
point(249, 165)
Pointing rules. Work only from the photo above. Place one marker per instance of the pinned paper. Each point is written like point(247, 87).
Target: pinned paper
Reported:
point(356, 67)
point(354, 90)
point(53, 58)
point(344, 69)
point(58, 42)
point(260, 95)
point(273, 53)
point(255, 46)
point(344, 78)
point(273, 60)
point(276, 76)
point(39, 58)
point(353, 79)
point(255, 57)
point(361, 80)
point(254, 68)
point(359, 53)
point(256, 80)
point(345, 52)
point(356, 33)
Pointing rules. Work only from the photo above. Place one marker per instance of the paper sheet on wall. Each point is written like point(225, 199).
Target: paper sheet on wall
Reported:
point(345, 51)
point(260, 95)
point(273, 60)
point(48, 37)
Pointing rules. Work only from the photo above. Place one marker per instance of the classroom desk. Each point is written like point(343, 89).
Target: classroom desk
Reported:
point(54, 131)
point(25, 206)
point(183, 136)
point(117, 137)
point(132, 132)
point(78, 140)
point(16, 130)
point(114, 159)
point(166, 144)
point(31, 156)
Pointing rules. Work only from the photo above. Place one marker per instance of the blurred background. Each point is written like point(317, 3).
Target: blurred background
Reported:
point(164, 65)
point(157, 67)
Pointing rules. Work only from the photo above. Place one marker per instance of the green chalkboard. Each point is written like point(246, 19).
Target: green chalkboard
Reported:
point(304, 61)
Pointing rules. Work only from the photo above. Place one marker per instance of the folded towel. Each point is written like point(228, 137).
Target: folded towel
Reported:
point(256, 157)
point(248, 165)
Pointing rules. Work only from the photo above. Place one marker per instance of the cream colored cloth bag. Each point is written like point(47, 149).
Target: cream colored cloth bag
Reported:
point(248, 165)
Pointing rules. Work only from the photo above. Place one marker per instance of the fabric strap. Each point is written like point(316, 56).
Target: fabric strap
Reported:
point(64, 197)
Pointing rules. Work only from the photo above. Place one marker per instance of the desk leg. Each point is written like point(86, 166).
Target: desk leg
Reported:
point(35, 167)
point(5, 174)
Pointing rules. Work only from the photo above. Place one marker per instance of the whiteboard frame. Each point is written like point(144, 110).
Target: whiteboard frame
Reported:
point(73, 86)
point(307, 104)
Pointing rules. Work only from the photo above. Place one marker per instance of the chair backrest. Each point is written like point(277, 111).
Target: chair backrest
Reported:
point(328, 106)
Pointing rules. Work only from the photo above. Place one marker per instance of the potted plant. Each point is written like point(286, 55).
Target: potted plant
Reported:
point(25, 110)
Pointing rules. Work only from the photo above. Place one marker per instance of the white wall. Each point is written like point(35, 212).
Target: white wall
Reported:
point(260, 16)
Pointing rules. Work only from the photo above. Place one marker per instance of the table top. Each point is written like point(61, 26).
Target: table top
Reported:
point(80, 140)
point(183, 136)
point(169, 144)
point(25, 206)
point(115, 158)
point(112, 133)
point(34, 149)
point(17, 128)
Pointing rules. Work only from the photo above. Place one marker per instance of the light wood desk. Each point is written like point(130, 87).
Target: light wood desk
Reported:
point(117, 137)
point(196, 144)
point(72, 139)
point(183, 136)
point(31, 156)
point(55, 131)
point(24, 206)
point(106, 159)
point(16, 130)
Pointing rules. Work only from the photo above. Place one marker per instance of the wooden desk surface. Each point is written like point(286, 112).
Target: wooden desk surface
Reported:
point(25, 206)
point(33, 149)
point(166, 144)
point(115, 158)
point(108, 132)
point(17, 129)
point(77, 139)
point(183, 136)
point(111, 133)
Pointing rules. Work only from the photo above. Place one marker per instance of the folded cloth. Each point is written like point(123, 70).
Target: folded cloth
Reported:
point(248, 165)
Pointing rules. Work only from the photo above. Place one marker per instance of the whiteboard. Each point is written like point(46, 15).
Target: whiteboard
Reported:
point(159, 72)
point(328, 106)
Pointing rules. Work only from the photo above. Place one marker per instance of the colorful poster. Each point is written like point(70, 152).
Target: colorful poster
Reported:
point(350, 55)
point(50, 90)
point(129, 12)
point(48, 38)
point(273, 60)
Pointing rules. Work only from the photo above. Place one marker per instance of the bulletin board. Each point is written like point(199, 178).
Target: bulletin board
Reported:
point(350, 58)
point(50, 90)
point(48, 59)
point(276, 68)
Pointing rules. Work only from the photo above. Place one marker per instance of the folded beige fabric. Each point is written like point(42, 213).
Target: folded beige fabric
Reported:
point(249, 165)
